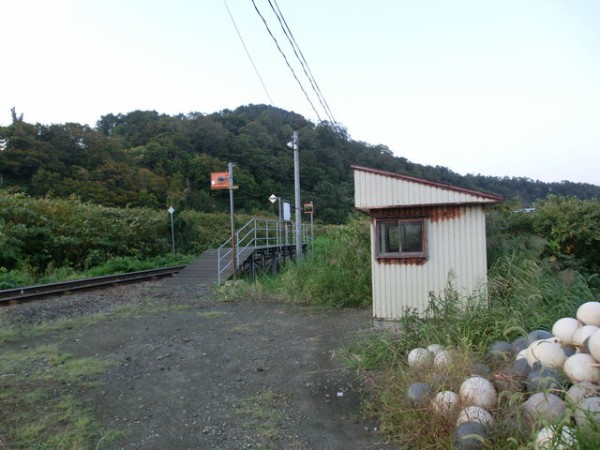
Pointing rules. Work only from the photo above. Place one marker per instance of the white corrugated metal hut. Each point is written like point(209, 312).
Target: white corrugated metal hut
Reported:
point(425, 236)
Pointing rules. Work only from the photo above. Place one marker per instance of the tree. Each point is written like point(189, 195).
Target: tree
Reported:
point(145, 158)
point(572, 227)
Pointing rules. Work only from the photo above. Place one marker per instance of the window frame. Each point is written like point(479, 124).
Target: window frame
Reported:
point(380, 249)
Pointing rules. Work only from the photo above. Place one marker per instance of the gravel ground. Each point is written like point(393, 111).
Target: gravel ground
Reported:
point(191, 372)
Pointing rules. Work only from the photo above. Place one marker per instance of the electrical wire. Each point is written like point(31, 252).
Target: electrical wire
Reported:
point(248, 54)
point(286, 61)
point(300, 57)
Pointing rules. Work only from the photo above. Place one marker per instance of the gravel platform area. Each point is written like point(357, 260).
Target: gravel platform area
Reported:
point(192, 372)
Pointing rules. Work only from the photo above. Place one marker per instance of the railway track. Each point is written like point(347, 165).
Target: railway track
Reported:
point(27, 293)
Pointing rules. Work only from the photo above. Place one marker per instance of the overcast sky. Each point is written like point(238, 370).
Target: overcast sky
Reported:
point(503, 88)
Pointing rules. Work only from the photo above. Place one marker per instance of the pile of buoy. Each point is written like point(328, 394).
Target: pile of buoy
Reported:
point(557, 374)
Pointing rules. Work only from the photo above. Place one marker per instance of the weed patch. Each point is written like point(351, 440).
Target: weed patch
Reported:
point(263, 417)
point(246, 328)
point(335, 274)
point(211, 314)
point(38, 402)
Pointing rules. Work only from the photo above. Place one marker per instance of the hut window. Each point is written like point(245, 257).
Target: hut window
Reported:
point(401, 238)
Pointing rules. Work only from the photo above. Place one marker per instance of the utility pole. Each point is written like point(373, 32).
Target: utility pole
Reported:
point(294, 145)
point(232, 220)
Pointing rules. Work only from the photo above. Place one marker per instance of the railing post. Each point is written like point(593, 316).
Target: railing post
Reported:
point(260, 234)
point(237, 239)
point(219, 266)
point(267, 238)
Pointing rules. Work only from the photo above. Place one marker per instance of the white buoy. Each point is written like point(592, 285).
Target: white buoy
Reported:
point(435, 348)
point(419, 357)
point(475, 414)
point(565, 328)
point(442, 359)
point(589, 313)
point(547, 352)
point(583, 333)
point(445, 403)
point(548, 438)
point(594, 345)
point(546, 407)
point(521, 355)
point(582, 367)
point(477, 391)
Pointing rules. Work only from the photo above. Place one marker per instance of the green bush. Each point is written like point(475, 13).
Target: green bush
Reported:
point(572, 227)
point(13, 278)
point(565, 229)
point(44, 233)
point(336, 273)
point(41, 236)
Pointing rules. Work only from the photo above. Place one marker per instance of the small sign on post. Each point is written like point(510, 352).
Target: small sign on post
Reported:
point(219, 180)
point(224, 180)
point(309, 208)
point(171, 210)
point(287, 211)
point(273, 198)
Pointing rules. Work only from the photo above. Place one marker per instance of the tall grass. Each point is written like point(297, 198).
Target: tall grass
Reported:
point(10, 279)
point(532, 293)
point(336, 273)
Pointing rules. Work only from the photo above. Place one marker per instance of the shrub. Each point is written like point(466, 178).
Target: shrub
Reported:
point(39, 236)
point(336, 273)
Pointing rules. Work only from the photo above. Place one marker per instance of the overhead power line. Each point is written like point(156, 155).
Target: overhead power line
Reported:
point(286, 61)
point(300, 57)
point(248, 53)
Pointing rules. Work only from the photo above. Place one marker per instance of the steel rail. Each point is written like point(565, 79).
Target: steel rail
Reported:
point(45, 290)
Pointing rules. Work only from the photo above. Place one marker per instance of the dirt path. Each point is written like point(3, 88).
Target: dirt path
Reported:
point(227, 375)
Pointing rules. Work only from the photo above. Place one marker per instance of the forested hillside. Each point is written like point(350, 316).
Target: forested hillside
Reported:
point(148, 159)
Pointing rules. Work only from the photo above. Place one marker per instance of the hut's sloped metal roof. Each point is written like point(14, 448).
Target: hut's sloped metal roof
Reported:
point(375, 188)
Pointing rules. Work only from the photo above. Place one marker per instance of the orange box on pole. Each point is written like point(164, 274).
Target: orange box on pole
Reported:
point(219, 180)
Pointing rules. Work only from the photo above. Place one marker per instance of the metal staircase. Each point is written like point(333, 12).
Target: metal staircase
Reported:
point(260, 244)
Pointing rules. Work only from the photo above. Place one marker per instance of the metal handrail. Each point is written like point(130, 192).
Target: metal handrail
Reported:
point(253, 234)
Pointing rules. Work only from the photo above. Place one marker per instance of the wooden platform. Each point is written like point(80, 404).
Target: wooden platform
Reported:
point(204, 270)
